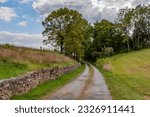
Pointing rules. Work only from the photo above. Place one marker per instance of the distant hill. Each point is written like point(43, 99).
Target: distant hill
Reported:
point(128, 75)
point(18, 60)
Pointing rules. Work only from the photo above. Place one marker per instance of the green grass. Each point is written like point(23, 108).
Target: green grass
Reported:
point(50, 86)
point(129, 77)
point(8, 70)
point(16, 61)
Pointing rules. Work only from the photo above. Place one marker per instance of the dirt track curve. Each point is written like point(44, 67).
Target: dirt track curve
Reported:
point(90, 85)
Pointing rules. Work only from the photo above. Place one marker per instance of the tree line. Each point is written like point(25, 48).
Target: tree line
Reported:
point(70, 33)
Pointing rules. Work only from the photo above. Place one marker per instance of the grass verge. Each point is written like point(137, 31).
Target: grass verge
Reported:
point(50, 86)
point(127, 75)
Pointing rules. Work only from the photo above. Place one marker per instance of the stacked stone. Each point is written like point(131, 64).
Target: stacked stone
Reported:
point(22, 84)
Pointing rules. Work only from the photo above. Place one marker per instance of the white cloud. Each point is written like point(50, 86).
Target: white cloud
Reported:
point(25, 17)
point(45, 6)
point(83, 6)
point(23, 23)
point(91, 9)
point(7, 14)
point(21, 39)
point(2, 1)
point(39, 20)
point(110, 8)
point(25, 1)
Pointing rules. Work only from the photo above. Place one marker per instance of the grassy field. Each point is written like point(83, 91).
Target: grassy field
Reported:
point(15, 61)
point(49, 87)
point(127, 75)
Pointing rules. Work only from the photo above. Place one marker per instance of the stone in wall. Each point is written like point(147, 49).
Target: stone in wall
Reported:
point(22, 84)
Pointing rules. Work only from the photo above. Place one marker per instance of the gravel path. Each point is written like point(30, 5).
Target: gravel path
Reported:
point(90, 85)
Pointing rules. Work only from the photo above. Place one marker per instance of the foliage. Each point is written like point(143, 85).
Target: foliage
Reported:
point(141, 25)
point(124, 21)
point(135, 24)
point(66, 30)
point(107, 40)
point(131, 31)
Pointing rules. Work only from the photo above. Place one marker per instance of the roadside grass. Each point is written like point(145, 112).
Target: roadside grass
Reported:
point(9, 70)
point(49, 87)
point(16, 61)
point(129, 76)
point(12, 69)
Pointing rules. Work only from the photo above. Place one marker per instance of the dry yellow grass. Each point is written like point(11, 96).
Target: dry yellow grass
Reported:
point(19, 54)
point(19, 60)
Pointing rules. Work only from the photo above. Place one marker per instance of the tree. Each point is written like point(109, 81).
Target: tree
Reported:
point(141, 21)
point(88, 49)
point(124, 20)
point(135, 24)
point(107, 40)
point(107, 36)
point(76, 38)
point(66, 29)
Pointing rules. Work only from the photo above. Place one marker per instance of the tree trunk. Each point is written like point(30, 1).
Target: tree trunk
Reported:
point(61, 46)
point(138, 41)
point(141, 40)
point(133, 42)
point(128, 44)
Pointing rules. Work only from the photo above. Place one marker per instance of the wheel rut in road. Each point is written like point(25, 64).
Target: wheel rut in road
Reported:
point(90, 85)
point(87, 86)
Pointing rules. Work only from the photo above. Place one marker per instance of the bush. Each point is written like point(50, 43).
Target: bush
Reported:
point(107, 51)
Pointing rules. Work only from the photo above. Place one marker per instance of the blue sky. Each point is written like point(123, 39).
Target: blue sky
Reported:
point(20, 20)
point(25, 21)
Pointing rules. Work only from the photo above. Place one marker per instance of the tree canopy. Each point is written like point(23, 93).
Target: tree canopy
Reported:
point(74, 36)
point(135, 24)
point(66, 29)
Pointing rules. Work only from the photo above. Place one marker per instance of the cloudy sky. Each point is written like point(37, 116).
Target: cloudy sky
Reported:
point(20, 20)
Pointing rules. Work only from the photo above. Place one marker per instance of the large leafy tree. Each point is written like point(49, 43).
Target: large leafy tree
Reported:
point(124, 21)
point(135, 24)
point(66, 29)
point(107, 36)
point(107, 40)
point(76, 38)
point(141, 21)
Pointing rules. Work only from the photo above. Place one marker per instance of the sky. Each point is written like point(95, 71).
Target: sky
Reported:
point(20, 20)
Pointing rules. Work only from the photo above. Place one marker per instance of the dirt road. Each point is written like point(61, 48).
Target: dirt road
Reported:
point(90, 85)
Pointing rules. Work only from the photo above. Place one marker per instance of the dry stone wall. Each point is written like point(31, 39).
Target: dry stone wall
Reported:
point(22, 84)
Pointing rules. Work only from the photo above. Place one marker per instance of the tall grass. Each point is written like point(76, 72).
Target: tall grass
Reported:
point(20, 54)
point(30, 59)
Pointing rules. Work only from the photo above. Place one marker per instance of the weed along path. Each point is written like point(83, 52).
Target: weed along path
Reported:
point(90, 85)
